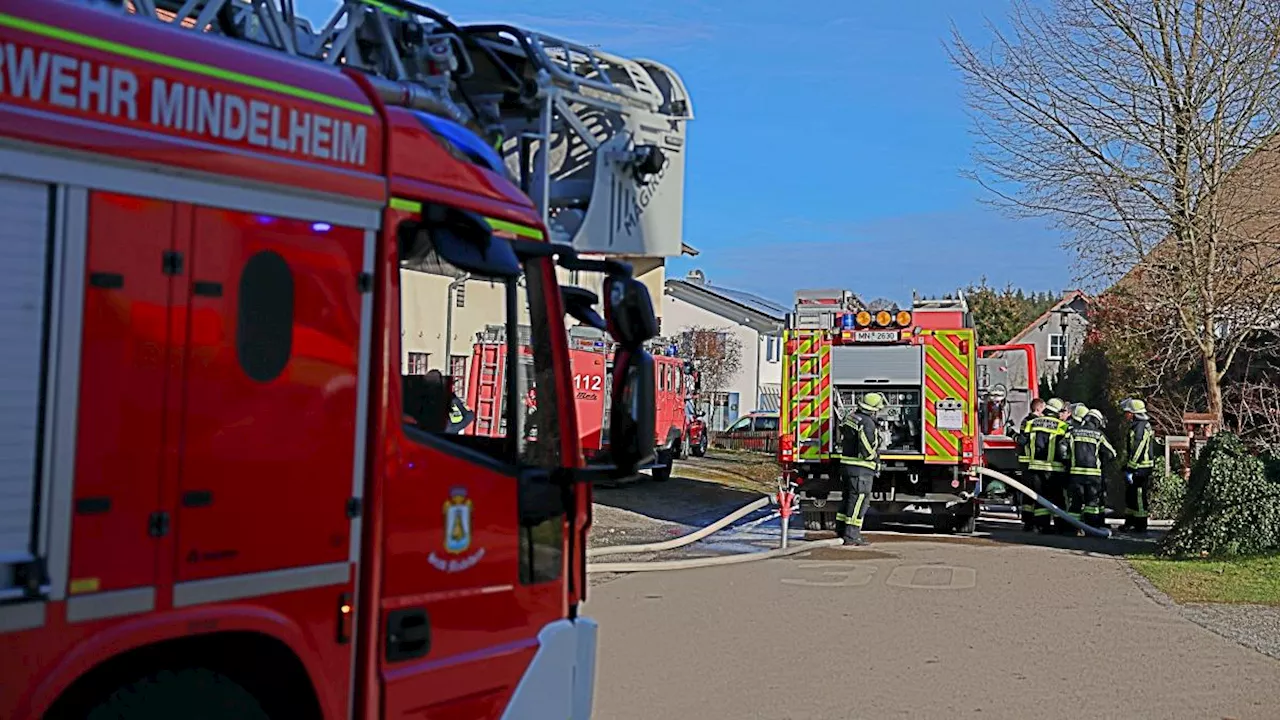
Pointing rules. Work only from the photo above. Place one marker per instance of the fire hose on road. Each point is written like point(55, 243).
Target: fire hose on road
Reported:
point(1075, 522)
point(785, 500)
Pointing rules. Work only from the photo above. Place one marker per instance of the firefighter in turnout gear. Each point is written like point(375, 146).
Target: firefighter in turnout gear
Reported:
point(1087, 449)
point(1138, 463)
point(1024, 462)
point(1046, 466)
point(859, 464)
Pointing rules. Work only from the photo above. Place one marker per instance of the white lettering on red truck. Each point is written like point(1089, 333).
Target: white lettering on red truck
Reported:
point(43, 77)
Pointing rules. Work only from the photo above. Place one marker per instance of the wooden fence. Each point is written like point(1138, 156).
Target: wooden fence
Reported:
point(764, 442)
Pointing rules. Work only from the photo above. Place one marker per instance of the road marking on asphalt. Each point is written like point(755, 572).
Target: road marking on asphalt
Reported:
point(931, 577)
point(860, 574)
point(846, 574)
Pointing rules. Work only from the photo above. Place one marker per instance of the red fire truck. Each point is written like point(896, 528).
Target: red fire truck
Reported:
point(950, 404)
point(220, 490)
point(923, 362)
point(591, 357)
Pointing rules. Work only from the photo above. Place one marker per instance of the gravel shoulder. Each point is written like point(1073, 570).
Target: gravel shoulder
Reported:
point(1256, 627)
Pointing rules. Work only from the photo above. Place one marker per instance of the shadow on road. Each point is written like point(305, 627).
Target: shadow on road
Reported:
point(1117, 545)
point(680, 500)
point(1001, 533)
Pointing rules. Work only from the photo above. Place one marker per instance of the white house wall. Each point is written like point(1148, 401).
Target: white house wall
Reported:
point(423, 308)
point(681, 315)
point(423, 312)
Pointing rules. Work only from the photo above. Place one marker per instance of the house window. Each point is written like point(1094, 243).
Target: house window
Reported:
point(417, 363)
point(1057, 347)
point(773, 349)
point(458, 369)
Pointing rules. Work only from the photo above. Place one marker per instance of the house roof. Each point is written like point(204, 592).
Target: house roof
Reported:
point(739, 306)
point(1068, 297)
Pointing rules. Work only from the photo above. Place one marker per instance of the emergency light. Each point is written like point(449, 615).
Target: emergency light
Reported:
point(864, 318)
point(883, 318)
point(904, 318)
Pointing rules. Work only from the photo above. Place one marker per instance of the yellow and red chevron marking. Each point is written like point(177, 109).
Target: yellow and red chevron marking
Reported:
point(807, 392)
point(948, 374)
point(826, 418)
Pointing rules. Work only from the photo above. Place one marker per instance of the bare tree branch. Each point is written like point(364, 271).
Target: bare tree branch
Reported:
point(1147, 130)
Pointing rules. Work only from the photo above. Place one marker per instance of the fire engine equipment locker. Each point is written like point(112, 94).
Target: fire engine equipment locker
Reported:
point(24, 241)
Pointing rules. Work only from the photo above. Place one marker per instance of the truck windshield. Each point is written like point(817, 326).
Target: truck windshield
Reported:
point(457, 350)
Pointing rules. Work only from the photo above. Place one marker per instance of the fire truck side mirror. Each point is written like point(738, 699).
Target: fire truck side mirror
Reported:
point(461, 239)
point(629, 312)
point(632, 412)
point(579, 304)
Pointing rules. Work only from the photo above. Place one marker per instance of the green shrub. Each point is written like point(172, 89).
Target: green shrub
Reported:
point(1168, 489)
point(1231, 506)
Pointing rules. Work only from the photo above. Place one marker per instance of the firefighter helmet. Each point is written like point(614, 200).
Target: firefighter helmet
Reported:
point(1054, 406)
point(1097, 415)
point(1078, 412)
point(1137, 407)
point(871, 402)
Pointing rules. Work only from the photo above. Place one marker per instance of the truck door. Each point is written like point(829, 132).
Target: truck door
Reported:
point(269, 428)
point(133, 331)
point(464, 591)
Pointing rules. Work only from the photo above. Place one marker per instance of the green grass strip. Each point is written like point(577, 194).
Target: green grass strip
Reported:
point(1252, 580)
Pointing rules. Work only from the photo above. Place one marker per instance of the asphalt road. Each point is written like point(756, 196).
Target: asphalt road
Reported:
point(958, 628)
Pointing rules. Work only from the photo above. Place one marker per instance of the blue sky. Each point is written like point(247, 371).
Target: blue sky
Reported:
point(827, 143)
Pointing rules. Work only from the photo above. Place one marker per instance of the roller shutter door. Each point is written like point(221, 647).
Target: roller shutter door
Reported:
point(24, 249)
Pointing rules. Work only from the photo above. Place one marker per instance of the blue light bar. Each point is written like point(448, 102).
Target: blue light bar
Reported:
point(466, 141)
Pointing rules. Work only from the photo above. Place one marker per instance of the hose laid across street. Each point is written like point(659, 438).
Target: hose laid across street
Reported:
point(1088, 529)
point(690, 563)
point(683, 540)
point(792, 549)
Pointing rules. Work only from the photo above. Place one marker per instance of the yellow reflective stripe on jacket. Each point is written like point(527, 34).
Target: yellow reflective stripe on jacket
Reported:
point(870, 455)
point(1140, 457)
point(857, 462)
point(1025, 452)
point(1055, 436)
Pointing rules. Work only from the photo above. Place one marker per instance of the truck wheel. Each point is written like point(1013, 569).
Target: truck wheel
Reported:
point(944, 523)
point(812, 519)
point(188, 693)
point(662, 473)
point(829, 521)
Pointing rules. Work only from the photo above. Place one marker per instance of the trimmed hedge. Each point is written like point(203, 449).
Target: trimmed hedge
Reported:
point(1168, 490)
point(1231, 507)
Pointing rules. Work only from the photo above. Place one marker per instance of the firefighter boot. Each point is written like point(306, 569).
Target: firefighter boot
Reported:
point(852, 536)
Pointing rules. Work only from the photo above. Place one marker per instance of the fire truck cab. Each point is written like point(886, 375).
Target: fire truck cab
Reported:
point(224, 488)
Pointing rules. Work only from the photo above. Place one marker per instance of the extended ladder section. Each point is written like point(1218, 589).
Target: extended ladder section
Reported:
point(411, 53)
point(596, 140)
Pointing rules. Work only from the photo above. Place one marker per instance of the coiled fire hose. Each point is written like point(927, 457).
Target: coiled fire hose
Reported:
point(784, 499)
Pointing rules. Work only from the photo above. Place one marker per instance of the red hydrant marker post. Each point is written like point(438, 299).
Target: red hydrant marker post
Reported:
point(786, 497)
